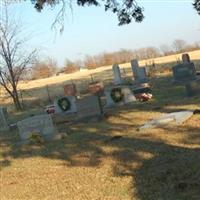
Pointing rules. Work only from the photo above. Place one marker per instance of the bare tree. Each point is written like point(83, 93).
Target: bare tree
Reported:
point(179, 45)
point(13, 59)
point(44, 69)
point(165, 49)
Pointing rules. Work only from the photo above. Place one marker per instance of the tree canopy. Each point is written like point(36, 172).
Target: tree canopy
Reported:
point(126, 10)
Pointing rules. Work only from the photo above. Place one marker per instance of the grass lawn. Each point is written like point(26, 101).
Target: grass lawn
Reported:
point(90, 163)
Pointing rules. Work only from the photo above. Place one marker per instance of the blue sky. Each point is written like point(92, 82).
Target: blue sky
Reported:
point(90, 30)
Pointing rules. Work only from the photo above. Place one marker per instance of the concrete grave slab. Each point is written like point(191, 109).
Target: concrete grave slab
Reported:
point(39, 124)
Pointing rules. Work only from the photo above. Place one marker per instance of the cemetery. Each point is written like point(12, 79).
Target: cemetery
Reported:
point(115, 135)
point(99, 100)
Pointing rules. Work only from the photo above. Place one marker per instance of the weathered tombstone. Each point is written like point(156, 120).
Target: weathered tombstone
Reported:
point(118, 95)
point(3, 119)
point(65, 105)
point(117, 75)
point(95, 88)
point(70, 89)
point(139, 73)
point(185, 58)
point(134, 67)
point(39, 124)
point(185, 74)
point(88, 106)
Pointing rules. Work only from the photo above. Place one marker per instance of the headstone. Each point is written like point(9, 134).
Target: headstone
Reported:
point(185, 58)
point(70, 90)
point(139, 73)
point(65, 105)
point(118, 95)
point(193, 87)
point(3, 119)
point(88, 106)
point(134, 67)
point(117, 75)
point(39, 124)
point(95, 88)
point(184, 72)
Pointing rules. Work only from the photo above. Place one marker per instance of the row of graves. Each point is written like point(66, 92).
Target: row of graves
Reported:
point(71, 108)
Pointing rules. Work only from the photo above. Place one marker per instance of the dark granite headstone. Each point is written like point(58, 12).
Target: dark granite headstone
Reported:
point(139, 73)
point(184, 72)
point(88, 106)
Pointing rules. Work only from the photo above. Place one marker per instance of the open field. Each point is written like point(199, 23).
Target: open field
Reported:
point(90, 163)
point(194, 55)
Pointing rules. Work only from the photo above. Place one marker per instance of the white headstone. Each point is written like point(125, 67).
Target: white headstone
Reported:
point(72, 105)
point(126, 92)
point(3, 119)
point(117, 75)
point(128, 95)
point(40, 124)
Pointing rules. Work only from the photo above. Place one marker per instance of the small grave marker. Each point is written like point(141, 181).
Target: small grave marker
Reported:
point(70, 89)
point(95, 88)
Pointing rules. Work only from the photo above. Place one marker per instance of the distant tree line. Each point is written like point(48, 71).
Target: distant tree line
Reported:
point(48, 67)
point(125, 55)
point(44, 68)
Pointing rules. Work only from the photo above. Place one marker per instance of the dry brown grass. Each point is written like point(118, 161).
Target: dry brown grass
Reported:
point(156, 164)
point(195, 55)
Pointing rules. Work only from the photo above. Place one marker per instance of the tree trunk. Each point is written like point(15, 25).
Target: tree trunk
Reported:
point(16, 100)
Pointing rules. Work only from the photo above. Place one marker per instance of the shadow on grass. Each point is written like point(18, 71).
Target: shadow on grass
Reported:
point(158, 170)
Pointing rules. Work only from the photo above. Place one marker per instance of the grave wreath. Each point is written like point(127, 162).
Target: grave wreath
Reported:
point(64, 104)
point(117, 95)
